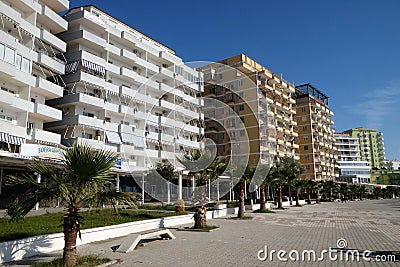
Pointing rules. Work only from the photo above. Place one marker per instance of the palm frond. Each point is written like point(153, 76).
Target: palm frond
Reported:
point(113, 198)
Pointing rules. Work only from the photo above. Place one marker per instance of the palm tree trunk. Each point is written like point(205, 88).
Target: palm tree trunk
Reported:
point(200, 219)
point(263, 206)
point(290, 196)
point(308, 196)
point(71, 229)
point(317, 200)
point(241, 203)
point(280, 206)
point(297, 198)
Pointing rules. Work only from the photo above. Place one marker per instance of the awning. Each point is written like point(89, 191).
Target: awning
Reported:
point(93, 66)
point(71, 67)
point(11, 139)
point(135, 140)
point(113, 137)
point(151, 123)
point(4, 137)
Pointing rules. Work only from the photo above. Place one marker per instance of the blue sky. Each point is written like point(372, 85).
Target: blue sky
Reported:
point(348, 49)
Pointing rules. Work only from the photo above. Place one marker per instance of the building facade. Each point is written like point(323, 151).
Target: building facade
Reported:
point(127, 93)
point(317, 150)
point(371, 145)
point(30, 71)
point(350, 163)
point(254, 110)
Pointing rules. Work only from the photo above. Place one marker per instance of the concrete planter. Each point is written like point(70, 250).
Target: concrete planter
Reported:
point(220, 206)
point(32, 246)
point(252, 207)
point(233, 210)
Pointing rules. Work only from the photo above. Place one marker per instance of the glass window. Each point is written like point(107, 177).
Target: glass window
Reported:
point(18, 60)
point(26, 65)
point(9, 55)
point(2, 47)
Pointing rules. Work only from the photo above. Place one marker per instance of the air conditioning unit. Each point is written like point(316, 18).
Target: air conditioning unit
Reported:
point(134, 68)
point(135, 51)
point(164, 65)
point(132, 157)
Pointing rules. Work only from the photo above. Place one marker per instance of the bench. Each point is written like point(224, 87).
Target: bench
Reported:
point(132, 240)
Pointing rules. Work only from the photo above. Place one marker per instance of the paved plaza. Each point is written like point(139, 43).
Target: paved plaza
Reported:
point(372, 225)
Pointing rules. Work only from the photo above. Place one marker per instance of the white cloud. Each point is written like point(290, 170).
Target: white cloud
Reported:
point(379, 105)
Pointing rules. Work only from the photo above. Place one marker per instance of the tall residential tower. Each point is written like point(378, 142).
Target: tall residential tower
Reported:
point(317, 150)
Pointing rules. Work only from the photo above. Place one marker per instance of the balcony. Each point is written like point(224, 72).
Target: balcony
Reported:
point(84, 37)
point(27, 6)
point(129, 37)
point(96, 144)
point(46, 136)
point(52, 20)
point(47, 113)
point(89, 101)
point(131, 75)
point(112, 127)
point(77, 120)
point(166, 72)
point(53, 40)
point(47, 89)
point(15, 16)
point(81, 76)
point(18, 77)
point(51, 63)
point(58, 5)
point(152, 153)
point(170, 57)
point(14, 103)
point(12, 129)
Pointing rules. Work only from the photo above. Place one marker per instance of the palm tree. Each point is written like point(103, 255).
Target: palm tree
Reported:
point(297, 186)
point(309, 185)
point(245, 178)
point(202, 165)
point(278, 179)
point(292, 169)
point(327, 189)
point(266, 181)
point(79, 181)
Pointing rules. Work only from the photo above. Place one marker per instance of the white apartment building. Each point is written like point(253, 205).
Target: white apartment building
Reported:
point(127, 93)
point(30, 71)
point(350, 163)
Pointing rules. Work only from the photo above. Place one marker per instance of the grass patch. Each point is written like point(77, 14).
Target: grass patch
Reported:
point(52, 222)
point(82, 261)
point(243, 218)
point(263, 211)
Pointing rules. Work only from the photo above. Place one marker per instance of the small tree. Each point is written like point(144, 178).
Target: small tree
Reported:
point(80, 181)
point(297, 186)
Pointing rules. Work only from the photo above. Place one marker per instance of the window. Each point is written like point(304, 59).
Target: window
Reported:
point(242, 132)
point(87, 135)
point(2, 47)
point(303, 118)
point(307, 167)
point(179, 70)
point(305, 147)
point(242, 118)
point(303, 109)
point(305, 138)
point(26, 65)
point(304, 127)
point(307, 157)
point(9, 55)
point(18, 60)
point(125, 122)
point(87, 114)
point(241, 107)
